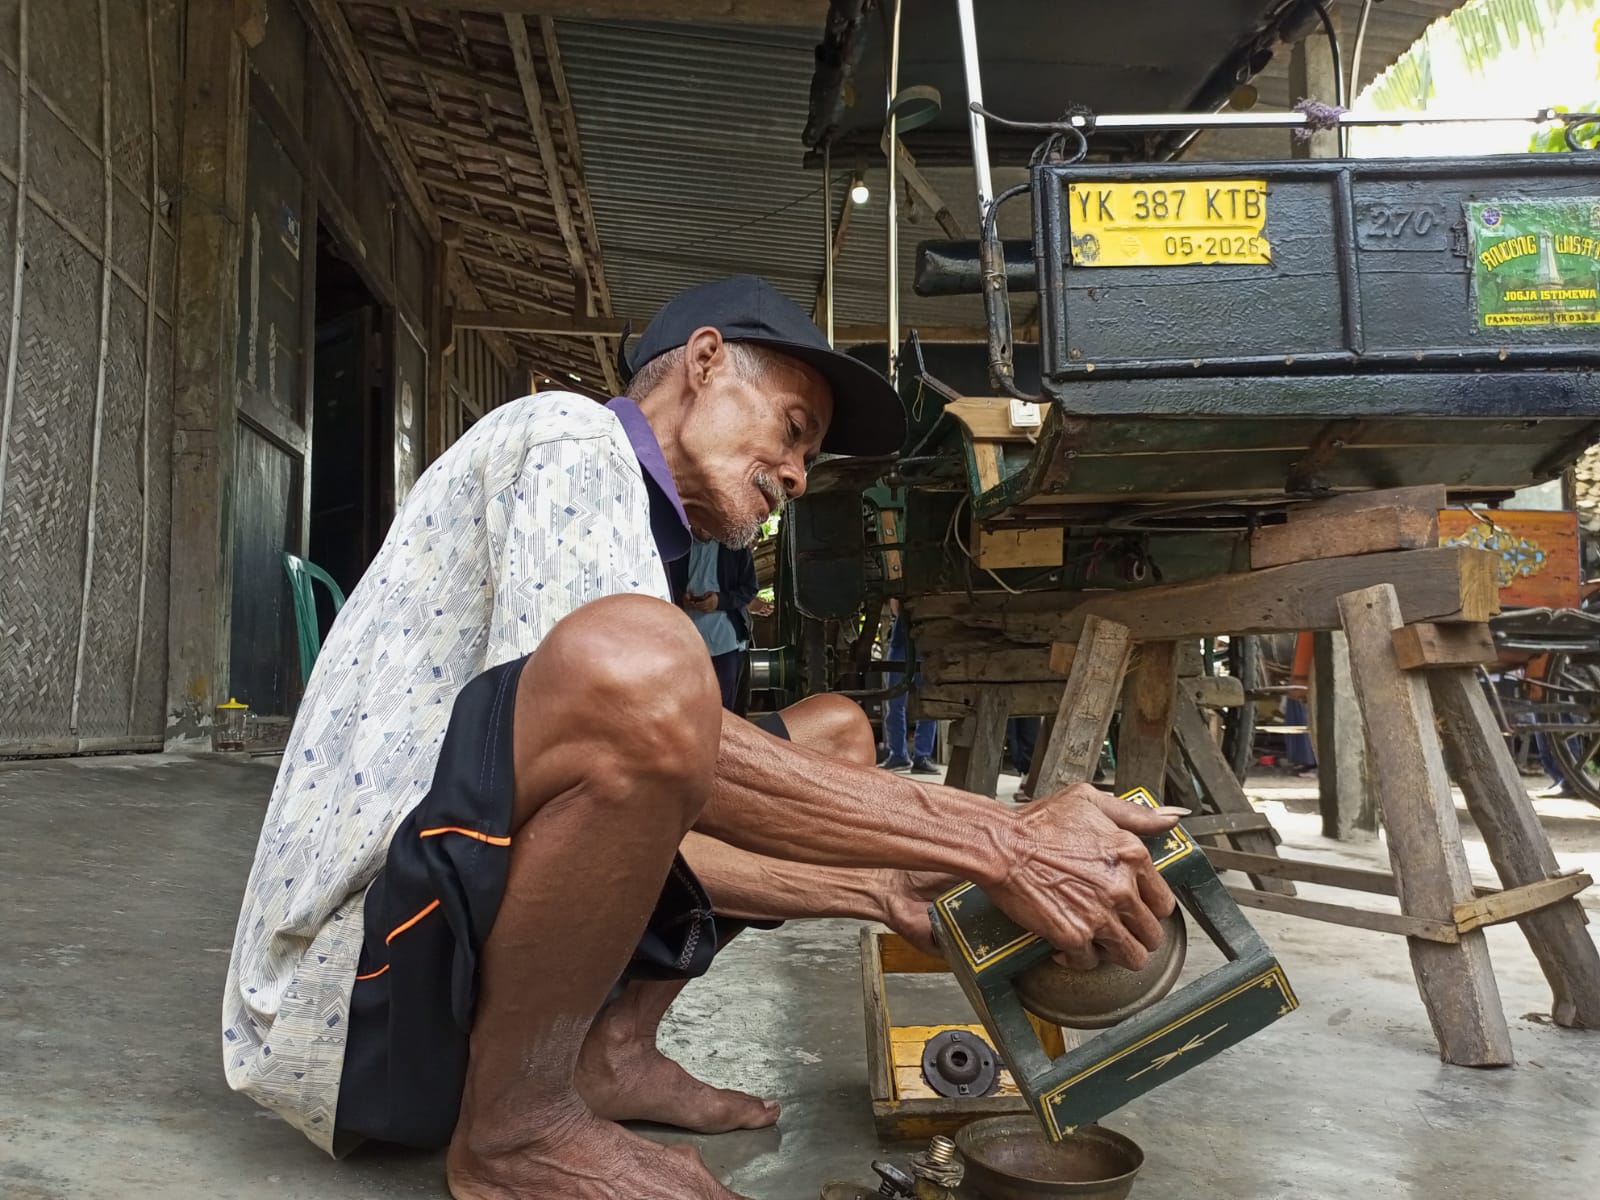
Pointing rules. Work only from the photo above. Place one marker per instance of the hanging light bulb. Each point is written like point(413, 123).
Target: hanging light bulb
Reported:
point(858, 190)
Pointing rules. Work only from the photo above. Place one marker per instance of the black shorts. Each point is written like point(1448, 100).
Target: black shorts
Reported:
point(429, 911)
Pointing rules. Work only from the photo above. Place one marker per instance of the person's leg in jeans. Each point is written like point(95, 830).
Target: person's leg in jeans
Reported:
point(922, 747)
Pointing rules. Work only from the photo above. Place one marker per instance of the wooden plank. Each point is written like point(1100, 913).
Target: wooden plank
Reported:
point(996, 549)
point(988, 664)
point(917, 1120)
point(900, 957)
point(978, 771)
point(1515, 903)
point(350, 65)
point(1357, 879)
point(205, 327)
point(1086, 706)
point(1148, 696)
point(1213, 691)
point(1504, 815)
point(1420, 930)
point(1430, 497)
point(1427, 644)
point(875, 1006)
point(1213, 824)
point(1221, 787)
point(577, 254)
point(959, 700)
point(1342, 534)
point(986, 419)
point(1061, 656)
point(600, 288)
point(1424, 839)
point(986, 461)
point(1442, 584)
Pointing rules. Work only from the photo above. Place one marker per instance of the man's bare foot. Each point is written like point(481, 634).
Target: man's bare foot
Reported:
point(582, 1159)
point(622, 1076)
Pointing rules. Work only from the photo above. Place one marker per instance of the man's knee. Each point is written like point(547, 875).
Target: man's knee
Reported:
point(637, 668)
point(835, 726)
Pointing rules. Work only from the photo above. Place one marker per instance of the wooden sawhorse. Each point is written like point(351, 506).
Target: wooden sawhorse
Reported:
point(1414, 617)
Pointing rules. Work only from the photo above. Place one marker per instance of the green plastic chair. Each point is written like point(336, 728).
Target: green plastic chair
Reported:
point(302, 575)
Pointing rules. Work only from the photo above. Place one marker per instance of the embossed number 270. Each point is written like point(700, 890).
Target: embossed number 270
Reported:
point(1395, 221)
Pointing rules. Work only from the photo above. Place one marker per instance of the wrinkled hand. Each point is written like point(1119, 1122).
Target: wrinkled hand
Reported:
point(905, 896)
point(1081, 879)
point(706, 603)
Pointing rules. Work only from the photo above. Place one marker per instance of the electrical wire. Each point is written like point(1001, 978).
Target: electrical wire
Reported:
point(1340, 97)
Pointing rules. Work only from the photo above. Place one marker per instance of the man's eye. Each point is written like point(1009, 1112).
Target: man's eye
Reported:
point(794, 432)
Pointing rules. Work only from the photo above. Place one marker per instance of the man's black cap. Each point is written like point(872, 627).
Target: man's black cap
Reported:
point(868, 418)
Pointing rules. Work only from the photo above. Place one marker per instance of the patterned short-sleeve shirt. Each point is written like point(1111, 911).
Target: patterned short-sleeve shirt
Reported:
point(540, 508)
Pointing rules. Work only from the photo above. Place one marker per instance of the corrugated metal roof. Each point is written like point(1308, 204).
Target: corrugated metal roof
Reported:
point(691, 140)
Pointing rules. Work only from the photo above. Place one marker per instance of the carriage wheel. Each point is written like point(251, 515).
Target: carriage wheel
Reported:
point(1572, 694)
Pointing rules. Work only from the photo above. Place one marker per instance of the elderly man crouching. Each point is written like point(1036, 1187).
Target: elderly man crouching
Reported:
point(472, 901)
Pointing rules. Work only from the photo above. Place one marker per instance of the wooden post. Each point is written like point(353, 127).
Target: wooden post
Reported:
point(1311, 75)
point(1222, 787)
point(1480, 763)
point(975, 766)
point(204, 336)
point(1348, 810)
point(1086, 705)
point(1148, 697)
point(1047, 728)
point(1408, 774)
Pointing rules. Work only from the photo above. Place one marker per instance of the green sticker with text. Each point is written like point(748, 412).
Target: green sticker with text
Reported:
point(1537, 262)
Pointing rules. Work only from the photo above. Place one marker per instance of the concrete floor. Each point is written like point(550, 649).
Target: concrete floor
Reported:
point(119, 881)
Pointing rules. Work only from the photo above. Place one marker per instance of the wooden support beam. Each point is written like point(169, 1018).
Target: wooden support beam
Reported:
point(1356, 879)
point(350, 65)
point(1427, 497)
point(1090, 698)
point(789, 14)
point(1480, 763)
point(1426, 644)
point(446, 72)
point(1449, 583)
point(1432, 934)
point(577, 255)
point(210, 216)
point(1213, 824)
point(1424, 838)
point(975, 767)
point(1148, 697)
point(1343, 795)
point(1337, 535)
point(1221, 787)
point(1213, 691)
point(598, 286)
point(1513, 904)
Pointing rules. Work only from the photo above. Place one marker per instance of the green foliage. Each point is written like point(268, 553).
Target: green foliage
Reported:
point(1553, 140)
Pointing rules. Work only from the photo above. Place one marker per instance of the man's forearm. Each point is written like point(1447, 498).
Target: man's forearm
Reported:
point(783, 801)
point(755, 887)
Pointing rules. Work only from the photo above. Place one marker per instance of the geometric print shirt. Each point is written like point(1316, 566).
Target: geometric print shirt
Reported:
point(541, 507)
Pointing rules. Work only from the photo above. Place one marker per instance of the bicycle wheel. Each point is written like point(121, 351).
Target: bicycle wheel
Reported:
point(1571, 696)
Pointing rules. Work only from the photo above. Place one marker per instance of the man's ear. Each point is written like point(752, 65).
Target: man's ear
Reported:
point(704, 353)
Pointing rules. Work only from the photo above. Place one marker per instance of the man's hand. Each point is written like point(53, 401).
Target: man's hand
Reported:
point(1081, 879)
point(760, 607)
point(905, 896)
point(706, 603)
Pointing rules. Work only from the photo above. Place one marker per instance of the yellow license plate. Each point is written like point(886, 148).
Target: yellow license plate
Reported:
point(1168, 224)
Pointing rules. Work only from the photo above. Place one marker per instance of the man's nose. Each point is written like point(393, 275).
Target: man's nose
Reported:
point(793, 480)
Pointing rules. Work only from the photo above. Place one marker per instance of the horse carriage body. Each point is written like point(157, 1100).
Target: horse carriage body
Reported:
point(1180, 352)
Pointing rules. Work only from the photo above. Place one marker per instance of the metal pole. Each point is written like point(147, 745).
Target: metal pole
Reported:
point(1162, 122)
point(827, 242)
point(894, 183)
point(980, 130)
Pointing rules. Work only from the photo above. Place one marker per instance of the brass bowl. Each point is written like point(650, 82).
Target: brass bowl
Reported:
point(1106, 995)
point(1008, 1158)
